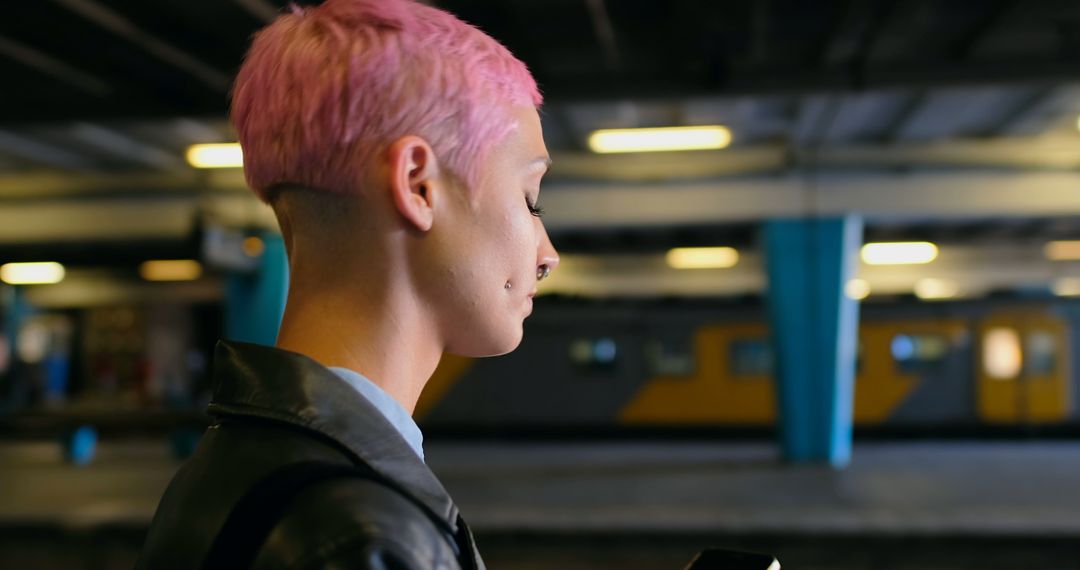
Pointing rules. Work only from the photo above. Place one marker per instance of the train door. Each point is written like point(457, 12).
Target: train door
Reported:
point(1023, 369)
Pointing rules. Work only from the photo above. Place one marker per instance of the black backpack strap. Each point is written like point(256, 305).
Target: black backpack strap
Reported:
point(256, 514)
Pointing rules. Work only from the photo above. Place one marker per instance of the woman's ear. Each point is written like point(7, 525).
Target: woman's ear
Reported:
point(414, 181)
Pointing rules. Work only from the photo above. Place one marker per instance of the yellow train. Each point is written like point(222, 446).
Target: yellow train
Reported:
point(657, 365)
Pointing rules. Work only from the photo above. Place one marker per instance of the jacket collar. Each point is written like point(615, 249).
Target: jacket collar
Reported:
point(270, 383)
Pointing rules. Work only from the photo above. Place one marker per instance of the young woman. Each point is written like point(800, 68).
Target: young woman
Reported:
point(402, 154)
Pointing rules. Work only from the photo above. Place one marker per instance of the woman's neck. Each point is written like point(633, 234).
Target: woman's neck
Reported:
point(374, 332)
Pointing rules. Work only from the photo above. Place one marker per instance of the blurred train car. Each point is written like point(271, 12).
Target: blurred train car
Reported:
point(627, 366)
point(633, 366)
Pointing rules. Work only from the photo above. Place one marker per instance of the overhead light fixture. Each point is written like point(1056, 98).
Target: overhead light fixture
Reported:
point(857, 289)
point(219, 155)
point(38, 273)
point(899, 253)
point(1066, 287)
point(702, 257)
point(930, 289)
point(171, 270)
point(1062, 250)
point(711, 137)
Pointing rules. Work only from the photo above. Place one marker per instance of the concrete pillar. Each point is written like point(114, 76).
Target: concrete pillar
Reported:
point(255, 301)
point(815, 333)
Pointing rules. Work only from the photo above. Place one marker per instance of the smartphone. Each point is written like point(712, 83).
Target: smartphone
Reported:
point(720, 559)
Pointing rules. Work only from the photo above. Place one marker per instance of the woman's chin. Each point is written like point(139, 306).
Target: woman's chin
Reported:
point(497, 344)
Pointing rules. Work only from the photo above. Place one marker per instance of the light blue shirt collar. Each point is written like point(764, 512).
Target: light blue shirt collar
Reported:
point(390, 408)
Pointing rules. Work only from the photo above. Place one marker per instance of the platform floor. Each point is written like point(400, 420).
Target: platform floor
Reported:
point(972, 505)
point(1024, 488)
point(922, 488)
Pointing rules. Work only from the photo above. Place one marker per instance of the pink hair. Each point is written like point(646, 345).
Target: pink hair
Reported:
point(324, 89)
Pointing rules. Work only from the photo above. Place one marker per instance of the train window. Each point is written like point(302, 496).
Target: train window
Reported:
point(918, 352)
point(751, 357)
point(1040, 353)
point(1001, 356)
point(664, 359)
point(594, 352)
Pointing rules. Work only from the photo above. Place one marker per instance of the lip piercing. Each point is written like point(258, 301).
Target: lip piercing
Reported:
point(542, 272)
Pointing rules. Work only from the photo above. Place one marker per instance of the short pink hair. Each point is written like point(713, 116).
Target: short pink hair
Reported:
point(324, 89)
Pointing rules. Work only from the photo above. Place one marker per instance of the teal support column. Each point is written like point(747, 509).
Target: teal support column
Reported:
point(815, 333)
point(14, 391)
point(16, 309)
point(255, 301)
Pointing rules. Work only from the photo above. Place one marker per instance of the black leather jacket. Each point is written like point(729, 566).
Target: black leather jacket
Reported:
point(272, 408)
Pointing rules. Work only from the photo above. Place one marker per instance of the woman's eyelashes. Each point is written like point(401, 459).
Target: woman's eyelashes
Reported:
point(534, 209)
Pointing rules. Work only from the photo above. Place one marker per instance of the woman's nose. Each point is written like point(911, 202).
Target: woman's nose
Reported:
point(547, 258)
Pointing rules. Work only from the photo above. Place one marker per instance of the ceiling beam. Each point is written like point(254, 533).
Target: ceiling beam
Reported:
point(605, 32)
point(125, 147)
point(933, 196)
point(53, 67)
point(121, 26)
point(41, 153)
point(882, 197)
point(261, 9)
point(805, 80)
point(973, 156)
point(1035, 115)
point(968, 40)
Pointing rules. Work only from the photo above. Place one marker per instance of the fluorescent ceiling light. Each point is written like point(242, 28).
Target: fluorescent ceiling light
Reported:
point(223, 155)
point(1062, 250)
point(39, 273)
point(930, 289)
point(857, 289)
point(660, 140)
point(171, 270)
point(702, 257)
point(899, 253)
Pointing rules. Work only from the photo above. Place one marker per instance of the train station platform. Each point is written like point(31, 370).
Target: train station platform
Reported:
point(667, 498)
point(982, 488)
